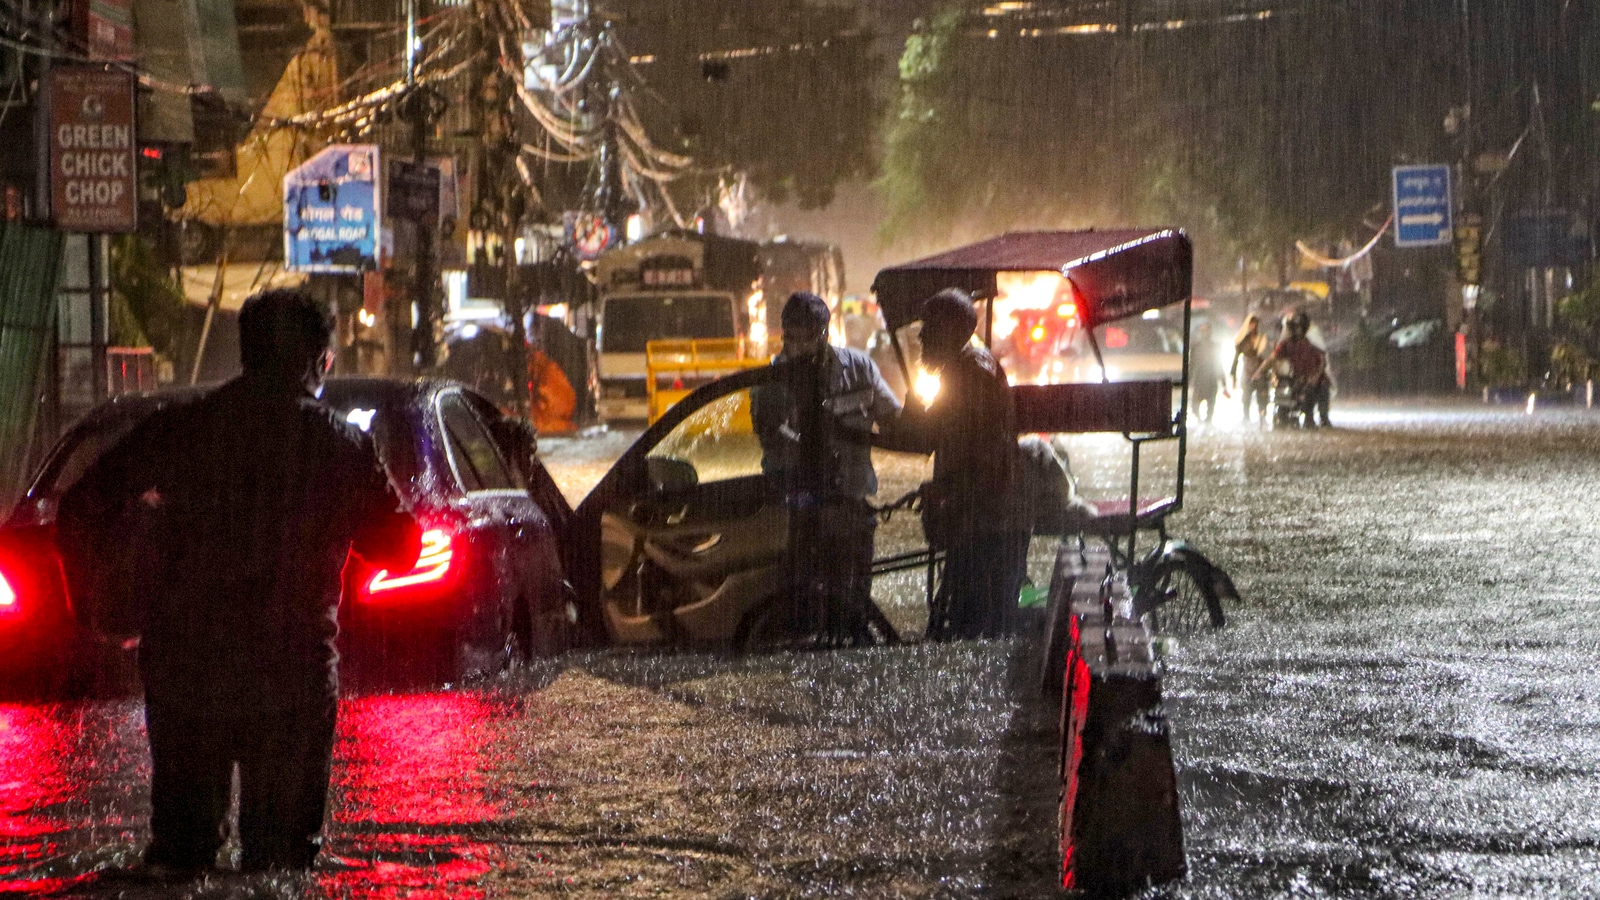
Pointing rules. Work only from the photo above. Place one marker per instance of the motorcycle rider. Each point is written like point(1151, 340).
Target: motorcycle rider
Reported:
point(1308, 366)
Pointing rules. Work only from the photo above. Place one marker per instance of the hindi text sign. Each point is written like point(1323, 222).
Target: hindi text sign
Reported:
point(330, 211)
point(1422, 213)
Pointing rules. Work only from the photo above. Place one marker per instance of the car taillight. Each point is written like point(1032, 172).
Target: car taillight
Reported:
point(432, 567)
point(8, 596)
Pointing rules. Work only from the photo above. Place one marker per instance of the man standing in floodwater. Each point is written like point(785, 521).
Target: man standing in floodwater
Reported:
point(972, 509)
point(815, 424)
point(253, 495)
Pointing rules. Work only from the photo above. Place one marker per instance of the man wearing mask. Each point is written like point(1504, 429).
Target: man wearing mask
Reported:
point(259, 493)
point(971, 509)
point(815, 423)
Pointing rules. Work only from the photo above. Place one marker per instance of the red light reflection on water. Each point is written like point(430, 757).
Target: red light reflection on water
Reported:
point(410, 791)
point(34, 781)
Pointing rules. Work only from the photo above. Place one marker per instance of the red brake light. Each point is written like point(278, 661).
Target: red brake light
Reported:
point(432, 566)
point(1116, 338)
point(8, 595)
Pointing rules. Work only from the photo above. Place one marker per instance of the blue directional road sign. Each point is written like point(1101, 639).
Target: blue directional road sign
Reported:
point(330, 211)
point(1422, 206)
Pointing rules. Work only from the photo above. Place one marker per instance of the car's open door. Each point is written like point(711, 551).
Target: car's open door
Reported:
point(686, 532)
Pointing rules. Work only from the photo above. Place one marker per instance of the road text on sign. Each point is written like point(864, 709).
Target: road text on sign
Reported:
point(1422, 208)
point(331, 211)
point(92, 146)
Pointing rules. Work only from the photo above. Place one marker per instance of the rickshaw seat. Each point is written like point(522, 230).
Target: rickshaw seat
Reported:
point(1125, 407)
point(1111, 516)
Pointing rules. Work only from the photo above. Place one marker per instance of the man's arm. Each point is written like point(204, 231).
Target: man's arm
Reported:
point(1277, 352)
point(910, 432)
point(388, 535)
point(90, 527)
point(885, 407)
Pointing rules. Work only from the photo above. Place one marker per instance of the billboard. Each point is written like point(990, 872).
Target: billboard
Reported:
point(92, 165)
point(331, 211)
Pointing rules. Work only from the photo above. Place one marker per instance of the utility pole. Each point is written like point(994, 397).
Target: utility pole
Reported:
point(501, 201)
point(418, 111)
point(1469, 223)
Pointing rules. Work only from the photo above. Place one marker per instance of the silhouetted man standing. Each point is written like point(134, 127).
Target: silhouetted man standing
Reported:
point(972, 508)
point(259, 492)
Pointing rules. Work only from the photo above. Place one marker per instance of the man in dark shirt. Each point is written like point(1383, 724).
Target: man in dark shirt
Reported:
point(258, 492)
point(815, 426)
point(971, 509)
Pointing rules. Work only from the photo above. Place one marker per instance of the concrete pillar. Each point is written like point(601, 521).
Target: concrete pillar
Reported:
point(1120, 828)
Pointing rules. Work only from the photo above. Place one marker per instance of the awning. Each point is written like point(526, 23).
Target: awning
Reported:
point(1116, 273)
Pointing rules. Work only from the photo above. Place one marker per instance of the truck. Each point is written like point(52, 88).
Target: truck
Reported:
point(702, 301)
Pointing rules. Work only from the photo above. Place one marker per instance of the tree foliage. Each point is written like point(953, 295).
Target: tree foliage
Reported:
point(147, 302)
point(779, 91)
point(1250, 131)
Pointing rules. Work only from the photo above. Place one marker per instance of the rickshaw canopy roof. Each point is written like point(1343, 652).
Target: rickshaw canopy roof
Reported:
point(1116, 273)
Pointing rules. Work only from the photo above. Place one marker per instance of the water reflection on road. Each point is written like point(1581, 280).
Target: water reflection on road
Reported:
point(412, 814)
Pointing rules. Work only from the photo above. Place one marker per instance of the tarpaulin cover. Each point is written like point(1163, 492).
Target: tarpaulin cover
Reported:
point(1116, 273)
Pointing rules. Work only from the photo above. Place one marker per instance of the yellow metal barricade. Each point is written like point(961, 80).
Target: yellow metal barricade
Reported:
point(686, 364)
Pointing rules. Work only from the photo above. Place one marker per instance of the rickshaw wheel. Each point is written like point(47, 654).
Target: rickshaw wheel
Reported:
point(1186, 605)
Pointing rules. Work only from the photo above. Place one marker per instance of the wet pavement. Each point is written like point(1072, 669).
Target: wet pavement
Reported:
point(1404, 706)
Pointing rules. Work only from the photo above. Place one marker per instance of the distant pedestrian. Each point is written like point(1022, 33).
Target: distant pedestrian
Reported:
point(1253, 384)
point(814, 422)
point(259, 492)
point(1205, 374)
point(973, 508)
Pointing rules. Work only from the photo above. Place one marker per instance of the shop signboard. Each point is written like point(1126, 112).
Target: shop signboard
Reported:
point(93, 178)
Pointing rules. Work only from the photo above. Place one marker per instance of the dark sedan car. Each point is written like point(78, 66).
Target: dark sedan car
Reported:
point(488, 590)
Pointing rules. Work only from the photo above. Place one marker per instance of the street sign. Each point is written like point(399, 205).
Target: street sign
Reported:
point(588, 233)
point(92, 173)
point(414, 192)
point(330, 211)
point(1422, 206)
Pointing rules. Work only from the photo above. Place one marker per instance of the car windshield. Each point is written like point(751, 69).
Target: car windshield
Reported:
point(629, 323)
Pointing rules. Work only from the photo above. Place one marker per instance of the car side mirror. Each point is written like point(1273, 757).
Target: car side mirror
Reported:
point(670, 475)
point(519, 441)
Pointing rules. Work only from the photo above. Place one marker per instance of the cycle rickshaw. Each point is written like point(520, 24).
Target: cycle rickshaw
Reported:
point(1092, 281)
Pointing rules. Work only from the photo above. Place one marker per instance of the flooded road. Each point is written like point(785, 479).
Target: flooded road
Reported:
point(1404, 706)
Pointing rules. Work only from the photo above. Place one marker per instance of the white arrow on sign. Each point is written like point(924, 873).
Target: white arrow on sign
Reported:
point(1430, 219)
